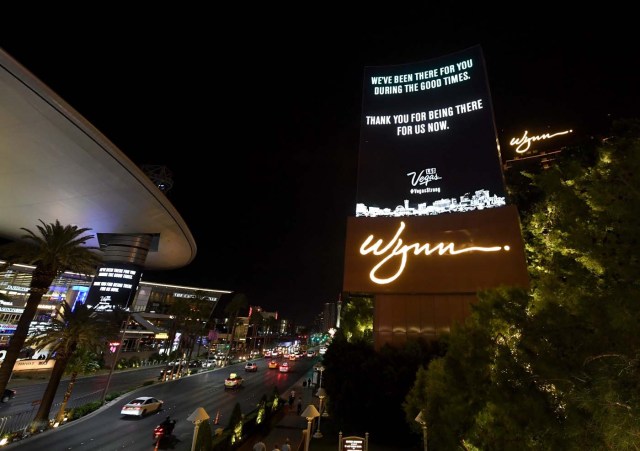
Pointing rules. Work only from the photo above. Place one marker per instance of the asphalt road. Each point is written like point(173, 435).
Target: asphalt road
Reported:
point(86, 389)
point(107, 430)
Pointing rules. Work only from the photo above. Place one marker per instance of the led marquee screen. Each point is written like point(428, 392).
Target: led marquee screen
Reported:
point(428, 143)
point(113, 286)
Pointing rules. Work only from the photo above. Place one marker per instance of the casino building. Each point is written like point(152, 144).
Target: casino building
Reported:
point(148, 326)
point(56, 166)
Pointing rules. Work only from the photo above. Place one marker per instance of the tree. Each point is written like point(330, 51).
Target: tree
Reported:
point(238, 302)
point(270, 326)
point(256, 320)
point(82, 361)
point(204, 440)
point(354, 370)
point(56, 249)
point(555, 367)
point(71, 331)
point(190, 316)
point(357, 319)
point(235, 424)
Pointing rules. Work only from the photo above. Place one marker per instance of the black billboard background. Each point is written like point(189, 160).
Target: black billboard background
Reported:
point(465, 155)
point(103, 296)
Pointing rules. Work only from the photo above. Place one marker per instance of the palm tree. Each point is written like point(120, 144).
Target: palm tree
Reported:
point(70, 332)
point(82, 362)
point(238, 302)
point(270, 327)
point(256, 320)
point(189, 317)
point(57, 249)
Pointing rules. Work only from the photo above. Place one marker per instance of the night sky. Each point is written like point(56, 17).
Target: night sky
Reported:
point(259, 120)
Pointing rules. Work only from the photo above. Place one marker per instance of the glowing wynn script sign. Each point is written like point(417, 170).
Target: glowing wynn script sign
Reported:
point(524, 143)
point(396, 248)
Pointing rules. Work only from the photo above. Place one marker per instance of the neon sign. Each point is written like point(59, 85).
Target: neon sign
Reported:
point(396, 248)
point(524, 143)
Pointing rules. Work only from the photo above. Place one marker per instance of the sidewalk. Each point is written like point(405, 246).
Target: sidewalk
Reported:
point(292, 425)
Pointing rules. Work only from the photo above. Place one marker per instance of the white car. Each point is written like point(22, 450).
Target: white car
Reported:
point(208, 363)
point(141, 406)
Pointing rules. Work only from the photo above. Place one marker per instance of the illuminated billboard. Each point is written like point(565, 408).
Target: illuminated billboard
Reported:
point(113, 287)
point(457, 253)
point(428, 143)
point(540, 145)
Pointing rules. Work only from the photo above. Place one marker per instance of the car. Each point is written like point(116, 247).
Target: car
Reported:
point(251, 367)
point(284, 367)
point(233, 381)
point(293, 357)
point(9, 393)
point(273, 365)
point(311, 353)
point(209, 363)
point(141, 406)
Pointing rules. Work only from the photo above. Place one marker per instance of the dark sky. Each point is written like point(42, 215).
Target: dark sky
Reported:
point(258, 118)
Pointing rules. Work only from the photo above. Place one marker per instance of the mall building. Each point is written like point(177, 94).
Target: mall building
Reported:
point(147, 330)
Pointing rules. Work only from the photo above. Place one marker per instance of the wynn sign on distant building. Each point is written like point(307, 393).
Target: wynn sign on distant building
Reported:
point(428, 140)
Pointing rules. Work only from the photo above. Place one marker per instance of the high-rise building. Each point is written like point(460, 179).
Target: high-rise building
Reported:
point(329, 316)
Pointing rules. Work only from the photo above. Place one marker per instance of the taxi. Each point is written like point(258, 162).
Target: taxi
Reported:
point(233, 381)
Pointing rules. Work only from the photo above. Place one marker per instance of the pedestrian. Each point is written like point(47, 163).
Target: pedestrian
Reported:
point(292, 397)
point(259, 446)
point(276, 447)
point(287, 445)
point(299, 408)
point(309, 382)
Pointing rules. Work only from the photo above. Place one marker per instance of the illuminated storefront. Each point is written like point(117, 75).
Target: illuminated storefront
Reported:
point(149, 323)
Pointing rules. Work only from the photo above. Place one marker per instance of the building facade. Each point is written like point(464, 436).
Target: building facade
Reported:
point(149, 328)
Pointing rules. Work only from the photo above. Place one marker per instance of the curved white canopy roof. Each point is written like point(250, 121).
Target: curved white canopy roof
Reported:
point(54, 165)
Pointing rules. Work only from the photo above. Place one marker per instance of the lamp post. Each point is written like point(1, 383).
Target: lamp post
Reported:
point(319, 368)
point(321, 394)
point(197, 416)
point(116, 357)
point(420, 420)
point(309, 413)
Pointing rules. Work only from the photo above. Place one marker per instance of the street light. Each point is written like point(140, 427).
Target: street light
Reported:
point(197, 416)
point(116, 357)
point(422, 423)
point(321, 394)
point(309, 413)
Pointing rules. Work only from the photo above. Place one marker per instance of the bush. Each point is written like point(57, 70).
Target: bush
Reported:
point(134, 362)
point(83, 410)
point(157, 357)
point(91, 367)
point(86, 409)
point(222, 439)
